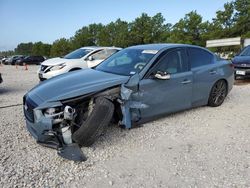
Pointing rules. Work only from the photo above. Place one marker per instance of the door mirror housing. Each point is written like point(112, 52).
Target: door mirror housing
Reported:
point(162, 75)
point(90, 58)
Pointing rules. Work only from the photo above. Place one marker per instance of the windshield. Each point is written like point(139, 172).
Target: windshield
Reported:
point(77, 54)
point(245, 51)
point(127, 62)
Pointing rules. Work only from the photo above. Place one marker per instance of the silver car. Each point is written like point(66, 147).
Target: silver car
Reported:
point(135, 85)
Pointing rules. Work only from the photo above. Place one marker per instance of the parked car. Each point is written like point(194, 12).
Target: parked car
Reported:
point(133, 86)
point(241, 63)
point(3, 60)
point(19, 59)
point(12, 60)
point(35, 60)
point(86, 57)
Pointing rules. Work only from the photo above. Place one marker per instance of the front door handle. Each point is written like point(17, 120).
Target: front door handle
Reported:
point(186, 81)
point(213, 72)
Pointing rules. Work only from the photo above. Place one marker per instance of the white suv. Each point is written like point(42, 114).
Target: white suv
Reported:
point(82, 58)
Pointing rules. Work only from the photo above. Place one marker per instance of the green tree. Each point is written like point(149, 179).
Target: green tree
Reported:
point(7, 53)
point(146, 29)
point(94, 33)
point(189, 30)
point(115, 34)
point(160, 30)
point(60, 47)
point(42, 49)
point(141, 30)
point(82, 38)
point(242, 18)
point(24, 48)
point(223, 24)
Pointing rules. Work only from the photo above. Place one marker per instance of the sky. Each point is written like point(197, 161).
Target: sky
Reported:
point(48, 20)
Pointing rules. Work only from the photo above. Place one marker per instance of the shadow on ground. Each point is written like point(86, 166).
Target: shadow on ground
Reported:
point(7, 90)
point(242, 82)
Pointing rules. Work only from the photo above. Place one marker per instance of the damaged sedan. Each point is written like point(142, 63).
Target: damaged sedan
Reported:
point(133, 86)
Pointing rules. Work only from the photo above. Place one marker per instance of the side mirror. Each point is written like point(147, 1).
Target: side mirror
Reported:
point(90, 58)
point(162, 75)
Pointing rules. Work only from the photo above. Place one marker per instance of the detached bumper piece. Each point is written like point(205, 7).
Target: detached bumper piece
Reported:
point(70, 151)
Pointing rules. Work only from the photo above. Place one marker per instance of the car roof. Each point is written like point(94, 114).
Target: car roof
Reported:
point(100, 47)
point(161, 46)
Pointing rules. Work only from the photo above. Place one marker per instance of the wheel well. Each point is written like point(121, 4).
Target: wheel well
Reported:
point(215, 82)
point(226, 84)
point(74, 69)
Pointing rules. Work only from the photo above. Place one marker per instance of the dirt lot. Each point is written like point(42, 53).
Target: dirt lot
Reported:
point(202, 147)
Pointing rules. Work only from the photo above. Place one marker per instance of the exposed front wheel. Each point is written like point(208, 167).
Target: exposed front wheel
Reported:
point(218, 93)
point(96, 122)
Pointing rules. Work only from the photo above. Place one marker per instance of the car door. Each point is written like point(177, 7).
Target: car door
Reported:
point(205, 74)
point(166, 96)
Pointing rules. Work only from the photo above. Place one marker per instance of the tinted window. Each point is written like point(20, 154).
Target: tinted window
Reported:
point(199, 57)
point(173, 62)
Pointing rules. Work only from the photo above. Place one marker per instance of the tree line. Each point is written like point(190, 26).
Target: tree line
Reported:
point(232, 21)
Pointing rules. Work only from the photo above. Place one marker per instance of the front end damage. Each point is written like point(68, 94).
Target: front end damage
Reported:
point(52, 127)
point(54, 124)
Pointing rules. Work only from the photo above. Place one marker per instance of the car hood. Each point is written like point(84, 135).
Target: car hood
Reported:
point(74, 84)
point(58, 61)
point(241, 59)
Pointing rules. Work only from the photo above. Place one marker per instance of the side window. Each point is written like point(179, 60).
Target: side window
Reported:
point(110, 52)
point(100, 55)
point(199, 57)
point(173, 62)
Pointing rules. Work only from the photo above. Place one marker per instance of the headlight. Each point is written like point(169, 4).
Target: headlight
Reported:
point(56, 112)
point(58, 67)
point(38, 115)
point(51, 113)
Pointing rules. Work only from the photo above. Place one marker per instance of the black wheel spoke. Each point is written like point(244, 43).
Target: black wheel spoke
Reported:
point(219, 92)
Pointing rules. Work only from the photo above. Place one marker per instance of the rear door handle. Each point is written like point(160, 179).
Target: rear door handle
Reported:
point(213, 72)
point(186, 81)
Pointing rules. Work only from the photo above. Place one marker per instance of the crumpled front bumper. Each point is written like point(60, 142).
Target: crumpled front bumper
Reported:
point(45, 136)
point(43, 133)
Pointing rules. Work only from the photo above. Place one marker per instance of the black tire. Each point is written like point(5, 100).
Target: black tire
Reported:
point(218, 93)
point(96, 123)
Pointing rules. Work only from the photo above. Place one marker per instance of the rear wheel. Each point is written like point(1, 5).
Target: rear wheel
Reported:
point(97, 121)
point(218, 93)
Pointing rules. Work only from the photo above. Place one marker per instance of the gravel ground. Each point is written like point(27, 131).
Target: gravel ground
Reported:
point(202, 147)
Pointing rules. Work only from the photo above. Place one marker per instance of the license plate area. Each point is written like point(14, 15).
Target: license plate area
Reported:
point(239, 72)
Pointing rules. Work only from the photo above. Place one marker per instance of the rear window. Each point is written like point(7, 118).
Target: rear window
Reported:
point(199, 57)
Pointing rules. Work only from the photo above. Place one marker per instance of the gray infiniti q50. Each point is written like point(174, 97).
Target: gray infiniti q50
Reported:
point(135, 85)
